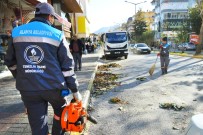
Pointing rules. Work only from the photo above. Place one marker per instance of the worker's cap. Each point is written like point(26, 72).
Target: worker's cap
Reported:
point(164, 39)
point(45, 8)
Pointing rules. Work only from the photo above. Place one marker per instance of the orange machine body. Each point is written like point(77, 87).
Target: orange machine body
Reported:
point(74, 117)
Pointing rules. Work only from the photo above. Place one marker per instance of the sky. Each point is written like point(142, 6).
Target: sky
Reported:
point(103, 13)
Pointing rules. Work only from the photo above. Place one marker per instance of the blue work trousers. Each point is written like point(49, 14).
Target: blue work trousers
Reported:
point(37, 108)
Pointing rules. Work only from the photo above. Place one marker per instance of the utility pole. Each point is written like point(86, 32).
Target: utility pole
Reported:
point(135, 4)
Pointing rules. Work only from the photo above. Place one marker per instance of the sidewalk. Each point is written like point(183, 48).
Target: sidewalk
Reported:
point(13, 120)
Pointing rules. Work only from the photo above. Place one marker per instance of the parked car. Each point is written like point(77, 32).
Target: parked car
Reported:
point(186, 46)
point(141, 48)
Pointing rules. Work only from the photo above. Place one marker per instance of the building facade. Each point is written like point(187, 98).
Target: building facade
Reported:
point(12, 10)
point(75, 12)
point(170, 15)
point(67, 10)
point(83, 22)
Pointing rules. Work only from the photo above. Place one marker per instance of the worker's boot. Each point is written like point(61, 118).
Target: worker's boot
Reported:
point(166, 71)
point(163, 71)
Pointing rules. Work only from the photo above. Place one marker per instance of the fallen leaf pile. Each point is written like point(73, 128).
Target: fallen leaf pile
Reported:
point(117, 100)
point(105, 81)
point(112, 65)
point(107, 66)
point(171, 106)
point(103, 68)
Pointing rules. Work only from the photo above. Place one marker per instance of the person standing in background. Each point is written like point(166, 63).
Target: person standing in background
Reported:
point(14, 21)
point(164, 55)
point(77, 47)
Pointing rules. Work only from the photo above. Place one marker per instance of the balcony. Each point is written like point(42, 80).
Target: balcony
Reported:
point(174, 6)
point(173, 24)
point(176, 15)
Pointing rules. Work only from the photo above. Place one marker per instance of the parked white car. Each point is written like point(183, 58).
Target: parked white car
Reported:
point(186, 46)
point(141, 48)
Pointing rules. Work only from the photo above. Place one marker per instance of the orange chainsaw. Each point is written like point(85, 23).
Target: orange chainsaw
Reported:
point(74, 117)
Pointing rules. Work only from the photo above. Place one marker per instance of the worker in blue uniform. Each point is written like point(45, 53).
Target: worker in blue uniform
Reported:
point(164, 55)
point(40, 60)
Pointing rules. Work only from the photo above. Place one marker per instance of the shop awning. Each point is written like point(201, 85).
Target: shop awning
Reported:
point(72, 6)
point(33, 2)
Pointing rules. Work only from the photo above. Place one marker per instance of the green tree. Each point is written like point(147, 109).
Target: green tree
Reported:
point(195, 19)
point(147, 37)
point(183, 32)
point(140, 26)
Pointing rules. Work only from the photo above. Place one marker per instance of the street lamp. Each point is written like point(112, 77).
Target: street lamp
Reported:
point(135, 4)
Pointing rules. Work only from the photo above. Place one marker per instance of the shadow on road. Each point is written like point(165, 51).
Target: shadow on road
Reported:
point(10, 110)
point(89, 59)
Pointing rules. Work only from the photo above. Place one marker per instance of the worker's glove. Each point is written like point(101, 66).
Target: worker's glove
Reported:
point(158, 54)
point(77, 96)
point(64, 94)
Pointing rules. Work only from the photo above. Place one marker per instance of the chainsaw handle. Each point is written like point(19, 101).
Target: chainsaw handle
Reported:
point(73, 100)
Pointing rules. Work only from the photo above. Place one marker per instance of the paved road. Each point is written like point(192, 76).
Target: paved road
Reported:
point(13, 120)
point(142, 115)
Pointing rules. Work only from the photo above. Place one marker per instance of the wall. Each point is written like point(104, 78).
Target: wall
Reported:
point(82, 21)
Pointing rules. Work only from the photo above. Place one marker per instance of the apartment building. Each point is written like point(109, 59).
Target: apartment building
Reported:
point(170, 15)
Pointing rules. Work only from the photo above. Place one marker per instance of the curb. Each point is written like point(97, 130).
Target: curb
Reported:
point(185, 55)
point(86, 97)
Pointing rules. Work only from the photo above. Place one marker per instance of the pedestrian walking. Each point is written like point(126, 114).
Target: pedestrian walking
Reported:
point(14, 21)
point(164, 55)
point(40, 60)
point(77, 47)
